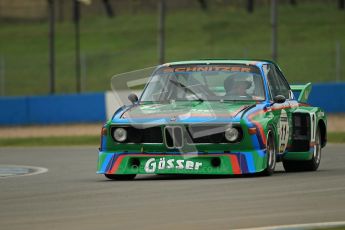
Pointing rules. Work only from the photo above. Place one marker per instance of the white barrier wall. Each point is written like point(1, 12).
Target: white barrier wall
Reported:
point(114, 100)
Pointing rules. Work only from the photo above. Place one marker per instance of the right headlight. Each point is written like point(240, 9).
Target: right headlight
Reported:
point(120, 134)
point(232, 134)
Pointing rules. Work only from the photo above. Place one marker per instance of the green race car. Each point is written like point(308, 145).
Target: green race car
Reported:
point(219, 117)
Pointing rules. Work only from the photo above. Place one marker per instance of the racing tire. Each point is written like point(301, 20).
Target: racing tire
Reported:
point(120, 177)
point(309, 165)
point(271, 150)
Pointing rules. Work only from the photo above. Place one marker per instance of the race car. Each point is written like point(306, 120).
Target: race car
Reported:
point(217, 117)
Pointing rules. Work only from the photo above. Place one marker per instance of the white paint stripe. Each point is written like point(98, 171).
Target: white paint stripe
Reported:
point(300, 226)
point(37, 170)
point(113, 102)
point(110, 105)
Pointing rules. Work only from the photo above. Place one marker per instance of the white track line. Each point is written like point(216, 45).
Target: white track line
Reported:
point(37, 170)
point(300, 226)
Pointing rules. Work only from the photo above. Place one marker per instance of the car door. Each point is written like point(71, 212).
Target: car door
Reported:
point(283, 111)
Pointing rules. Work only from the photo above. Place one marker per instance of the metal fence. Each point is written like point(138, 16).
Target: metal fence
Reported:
point(24, 64)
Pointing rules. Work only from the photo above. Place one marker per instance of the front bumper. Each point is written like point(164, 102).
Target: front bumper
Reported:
point(177, 163)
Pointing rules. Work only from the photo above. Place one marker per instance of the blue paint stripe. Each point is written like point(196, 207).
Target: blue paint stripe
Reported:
point(261, 142)
point(106, 162)
point(255, 142)
point(104, 142)
point(110, 163)
point(261, 153)
point(243, 164)
point(250, 162)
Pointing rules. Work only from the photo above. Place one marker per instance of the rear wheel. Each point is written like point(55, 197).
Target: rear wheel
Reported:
point(271, 154)
point(120, 177)
point(310, 165)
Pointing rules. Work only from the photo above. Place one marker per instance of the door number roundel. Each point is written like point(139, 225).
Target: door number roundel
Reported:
point(283, 131)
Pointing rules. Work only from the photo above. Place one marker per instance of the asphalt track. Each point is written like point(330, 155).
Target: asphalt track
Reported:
point(71, 196)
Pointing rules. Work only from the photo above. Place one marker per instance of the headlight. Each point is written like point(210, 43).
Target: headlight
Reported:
point(232, 134)
point(120, 134)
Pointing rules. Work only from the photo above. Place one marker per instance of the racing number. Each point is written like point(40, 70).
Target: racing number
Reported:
point(283, 131)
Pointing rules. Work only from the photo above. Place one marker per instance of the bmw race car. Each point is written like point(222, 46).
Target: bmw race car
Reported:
point(211, 117)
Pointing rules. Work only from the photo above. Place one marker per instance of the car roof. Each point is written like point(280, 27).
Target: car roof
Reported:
point(255, 62)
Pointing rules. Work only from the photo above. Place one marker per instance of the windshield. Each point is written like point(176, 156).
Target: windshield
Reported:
point(205, 83)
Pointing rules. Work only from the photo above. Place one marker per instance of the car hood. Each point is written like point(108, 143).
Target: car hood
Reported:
point(185, 112)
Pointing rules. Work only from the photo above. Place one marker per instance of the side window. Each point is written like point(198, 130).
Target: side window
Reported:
point(276, 82)
point(284, 86)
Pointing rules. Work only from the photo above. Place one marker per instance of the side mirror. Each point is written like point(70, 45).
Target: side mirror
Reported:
point(133, 98)
point(279, 99)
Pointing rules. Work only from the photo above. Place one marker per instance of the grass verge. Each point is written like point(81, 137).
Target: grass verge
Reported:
point(334, 137)
point(336, 228)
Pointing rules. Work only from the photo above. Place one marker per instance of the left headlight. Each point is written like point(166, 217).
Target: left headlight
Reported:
point(232, 134)
point(120, 134)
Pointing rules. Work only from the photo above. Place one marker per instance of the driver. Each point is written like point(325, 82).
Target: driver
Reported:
point(193, 84)
point(236, 87)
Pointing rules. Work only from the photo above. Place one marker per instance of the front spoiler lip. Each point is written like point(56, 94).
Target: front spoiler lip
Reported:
point(232, 162)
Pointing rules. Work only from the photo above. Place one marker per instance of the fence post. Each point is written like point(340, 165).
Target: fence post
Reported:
point(51, 11)
point(337, 61)
point(274, 25)
point(76, 14)
point(2, 75)
point(83, 72)
point(161, 31)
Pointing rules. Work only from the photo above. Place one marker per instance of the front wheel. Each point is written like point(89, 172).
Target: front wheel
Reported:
point(120, 176)
point(310, 165)
point(271, 154)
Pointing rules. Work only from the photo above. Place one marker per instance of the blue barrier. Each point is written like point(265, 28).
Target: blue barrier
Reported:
point(13, 110)
point(91, 107)
point(56, 109)
point(329, 96)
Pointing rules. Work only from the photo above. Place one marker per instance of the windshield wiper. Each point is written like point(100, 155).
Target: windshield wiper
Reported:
point(187, 89)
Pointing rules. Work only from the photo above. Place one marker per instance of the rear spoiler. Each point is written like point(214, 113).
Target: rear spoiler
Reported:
point(301, 91)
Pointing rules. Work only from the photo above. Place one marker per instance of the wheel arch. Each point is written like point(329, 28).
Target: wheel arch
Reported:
point(322, 126)
point(272, 130)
